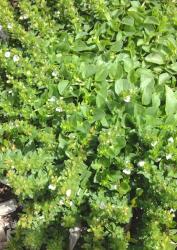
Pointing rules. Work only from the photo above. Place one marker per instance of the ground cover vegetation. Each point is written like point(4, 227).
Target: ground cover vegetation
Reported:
point(88, 133)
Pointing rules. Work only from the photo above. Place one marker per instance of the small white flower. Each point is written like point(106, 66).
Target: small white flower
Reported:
point(170, 140)
point(58, 109)
point(127, 99)
point(102, 205)
point(61, 202)
point(7, 54)
point(169, 156)
point(9, 26)
point(141, 163)
point(158, 159)
point(52, 187)
point(52, 99)
point(0, 27)
point(115, 187)
point(153, 144)
point(16, 58)
point(127, 171)
point(71, 203)
point(23, 17)
point(172, 210)
point(68, 193)
point(54, 73)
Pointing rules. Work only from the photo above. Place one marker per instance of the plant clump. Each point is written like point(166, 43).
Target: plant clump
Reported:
point(88, 133)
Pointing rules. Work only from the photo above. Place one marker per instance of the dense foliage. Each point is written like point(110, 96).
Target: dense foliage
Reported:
point(88, 110)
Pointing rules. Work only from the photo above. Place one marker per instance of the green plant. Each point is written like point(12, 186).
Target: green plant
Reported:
point(88, 113)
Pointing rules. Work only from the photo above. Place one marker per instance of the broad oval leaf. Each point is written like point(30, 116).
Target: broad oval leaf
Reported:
point(62, 86)
point(155, 58)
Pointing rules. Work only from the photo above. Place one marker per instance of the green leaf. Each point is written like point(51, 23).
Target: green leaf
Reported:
point(115, 70)
point(116, 46)
point(99, 114)
point(100, 100)
point(155, 100)
point(128, 64)
point(173, 66)
point(163, 78)
point(80, 45)
point(147, 85)
point(121, 85)
point(87, 70)
point(62, 86)
point(147, 95)
point(102, 73)
point(171, 101)
point(155, 58)
point(151, 20)
point(128, 21)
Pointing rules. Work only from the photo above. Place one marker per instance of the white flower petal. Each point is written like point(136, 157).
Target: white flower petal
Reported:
point(54, 73)
point(7, 54)
point(168, 156)
point(52, 99)
point(170, 140)
point(127, 171)
point(127, 99)
point(102, 205)
point(61, 202)
point(52, 187)
point(16, 58)
point(141, 163)
point(9, 26)
point(153, 144)
point(58, 109)
point(68, 193)
point(158, 159)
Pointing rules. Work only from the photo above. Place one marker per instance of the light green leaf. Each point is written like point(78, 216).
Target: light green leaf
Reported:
point(100, 100)
point(121, 85)
point(80, 45)
point(171, 101)
point(87, 70)
point(102, 73)
point(155, 58)
point(173, 66)
point(155, 100)
point(62, 86)
point(147, 95)
point(151, 20)
point(163, 78)
point(128, 64)
point(128, 21)
point(117, 46)
point(115, 70)
point(147, 85)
